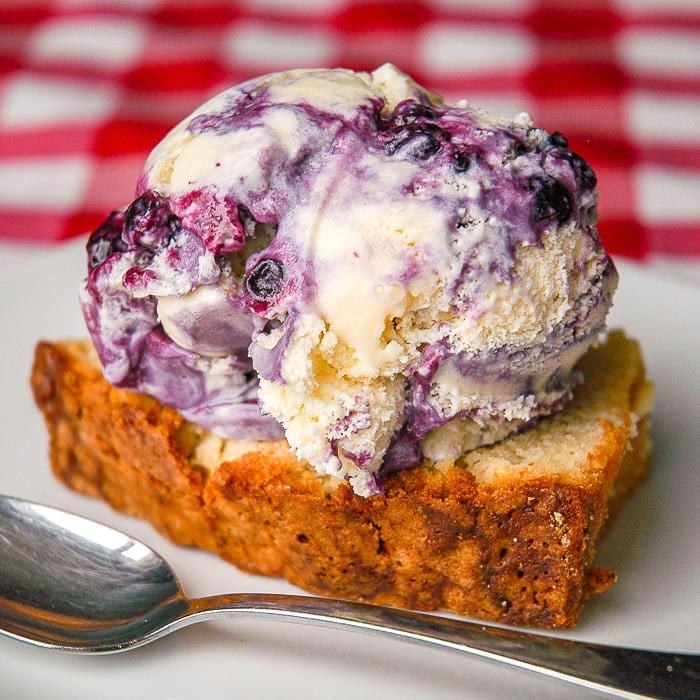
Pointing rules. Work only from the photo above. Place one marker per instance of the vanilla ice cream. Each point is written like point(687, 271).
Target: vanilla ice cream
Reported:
point(344, 260)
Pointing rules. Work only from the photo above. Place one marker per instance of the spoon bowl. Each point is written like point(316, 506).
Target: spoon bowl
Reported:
point(72, 584)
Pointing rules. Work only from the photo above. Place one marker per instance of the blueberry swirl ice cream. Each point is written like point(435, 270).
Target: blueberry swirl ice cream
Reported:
point(345, 261)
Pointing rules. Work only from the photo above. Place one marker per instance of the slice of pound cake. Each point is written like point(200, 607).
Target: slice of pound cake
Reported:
point(506, 532)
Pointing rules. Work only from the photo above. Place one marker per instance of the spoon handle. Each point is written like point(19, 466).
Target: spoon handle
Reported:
point(626, 673)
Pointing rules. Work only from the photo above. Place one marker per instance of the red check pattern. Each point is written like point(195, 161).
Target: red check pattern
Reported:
point(87, 88)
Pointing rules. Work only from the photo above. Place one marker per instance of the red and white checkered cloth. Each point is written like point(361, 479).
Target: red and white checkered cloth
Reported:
point(88, 87)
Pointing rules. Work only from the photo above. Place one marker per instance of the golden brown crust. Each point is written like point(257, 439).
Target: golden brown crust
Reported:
point(507, 534)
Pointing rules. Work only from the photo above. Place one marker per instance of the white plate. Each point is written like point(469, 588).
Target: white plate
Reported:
point(654, 547)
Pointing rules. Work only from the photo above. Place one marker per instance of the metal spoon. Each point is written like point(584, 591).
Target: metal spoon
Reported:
point(72, 584)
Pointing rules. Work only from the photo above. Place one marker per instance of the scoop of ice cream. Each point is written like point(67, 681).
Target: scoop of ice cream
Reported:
point(343, 258)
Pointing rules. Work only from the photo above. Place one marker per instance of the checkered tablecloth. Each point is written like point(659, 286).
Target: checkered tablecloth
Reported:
point(88, 87)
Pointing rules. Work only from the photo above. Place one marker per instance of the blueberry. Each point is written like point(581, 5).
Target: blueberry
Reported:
point(106, 239)
point(552, 200)
point(556, 138)
point(409, 111)
point(149, 221)
point(585, 177)
point(417, 145)
point(462, 160)
point(411, 131)
point(265, 281)
point(418, 141)
point(583, 172)
point(98, 252)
